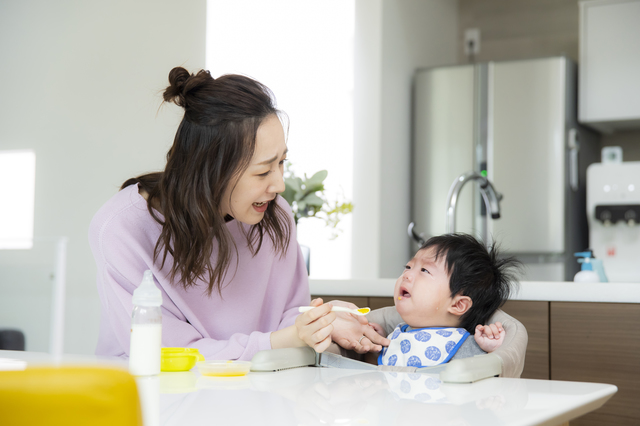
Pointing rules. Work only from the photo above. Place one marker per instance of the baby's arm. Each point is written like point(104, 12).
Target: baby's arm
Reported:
point(489, 337)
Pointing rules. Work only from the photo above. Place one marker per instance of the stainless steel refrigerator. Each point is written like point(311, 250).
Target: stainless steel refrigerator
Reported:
point(514, 122)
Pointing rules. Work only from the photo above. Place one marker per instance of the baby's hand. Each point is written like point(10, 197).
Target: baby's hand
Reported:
point(489, 337)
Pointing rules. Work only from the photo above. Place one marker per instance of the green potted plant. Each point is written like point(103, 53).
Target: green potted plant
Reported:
point(307, 199)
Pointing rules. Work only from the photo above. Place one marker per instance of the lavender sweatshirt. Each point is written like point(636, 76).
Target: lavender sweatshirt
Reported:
point(260, 296)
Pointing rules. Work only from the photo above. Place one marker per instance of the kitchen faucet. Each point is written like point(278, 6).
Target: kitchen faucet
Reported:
point(489, 194)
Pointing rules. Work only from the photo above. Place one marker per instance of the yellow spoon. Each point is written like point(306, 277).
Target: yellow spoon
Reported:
point(359, 311)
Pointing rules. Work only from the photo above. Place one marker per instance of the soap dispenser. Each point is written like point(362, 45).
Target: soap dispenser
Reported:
point(146, 328)
point(586, 274)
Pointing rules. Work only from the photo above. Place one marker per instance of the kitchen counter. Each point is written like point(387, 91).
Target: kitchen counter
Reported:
point(529, 290)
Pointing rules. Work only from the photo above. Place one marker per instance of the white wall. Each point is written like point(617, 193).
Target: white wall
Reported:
point(393, 38)
point(80, 84)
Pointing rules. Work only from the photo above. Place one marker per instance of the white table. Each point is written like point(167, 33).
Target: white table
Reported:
point(331, 396)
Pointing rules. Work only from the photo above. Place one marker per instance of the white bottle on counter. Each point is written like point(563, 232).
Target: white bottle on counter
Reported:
point(586, 273)
point(146, 328)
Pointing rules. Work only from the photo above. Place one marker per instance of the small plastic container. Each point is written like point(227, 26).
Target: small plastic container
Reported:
point(224, 368)
point(179, 359)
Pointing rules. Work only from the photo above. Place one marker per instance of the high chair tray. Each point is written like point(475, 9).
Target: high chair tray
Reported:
point(464, 370)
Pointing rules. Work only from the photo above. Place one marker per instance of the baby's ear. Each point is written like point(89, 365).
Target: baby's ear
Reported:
point(460, 304)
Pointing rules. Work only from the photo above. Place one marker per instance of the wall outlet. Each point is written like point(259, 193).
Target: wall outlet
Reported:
point(471, 42)
point(611, 154)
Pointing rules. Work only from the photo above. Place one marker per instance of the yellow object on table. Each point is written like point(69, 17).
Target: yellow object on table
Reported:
point(179, 359)
point(69, 396)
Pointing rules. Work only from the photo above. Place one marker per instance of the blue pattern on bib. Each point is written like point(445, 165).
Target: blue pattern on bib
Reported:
point(432, 353)
point(414, 361)
point(422, 347)
point(422, 336)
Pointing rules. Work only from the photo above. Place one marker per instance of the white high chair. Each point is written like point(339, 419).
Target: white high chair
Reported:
point(506, 361)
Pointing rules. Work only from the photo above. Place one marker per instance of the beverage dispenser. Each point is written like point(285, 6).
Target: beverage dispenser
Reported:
point(613, 212)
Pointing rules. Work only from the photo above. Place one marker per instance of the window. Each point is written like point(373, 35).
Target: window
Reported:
point(303, 51)
point(17, 189)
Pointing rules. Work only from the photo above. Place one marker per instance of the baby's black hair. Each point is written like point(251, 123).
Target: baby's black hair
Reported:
point(477, 272)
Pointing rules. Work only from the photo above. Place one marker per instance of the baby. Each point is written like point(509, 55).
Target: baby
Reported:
point(447, 291)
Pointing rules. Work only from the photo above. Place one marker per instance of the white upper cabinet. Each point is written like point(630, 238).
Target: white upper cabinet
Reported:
point(610, 64)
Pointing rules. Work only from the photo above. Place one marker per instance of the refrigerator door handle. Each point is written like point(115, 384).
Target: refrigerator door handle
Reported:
point(574, 148)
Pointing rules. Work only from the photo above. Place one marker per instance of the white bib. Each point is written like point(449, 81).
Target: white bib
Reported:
point(422, 347)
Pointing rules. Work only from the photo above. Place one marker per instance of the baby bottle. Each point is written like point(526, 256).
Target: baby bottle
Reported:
point(146, 328)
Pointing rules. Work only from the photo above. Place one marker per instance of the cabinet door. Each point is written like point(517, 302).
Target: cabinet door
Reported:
point(599, 342)
point(535, 318)
point(610, 64)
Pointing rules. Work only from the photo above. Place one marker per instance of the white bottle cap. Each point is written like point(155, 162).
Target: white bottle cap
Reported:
point(147, 294)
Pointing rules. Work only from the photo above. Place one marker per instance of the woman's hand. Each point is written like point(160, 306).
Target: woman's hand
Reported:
point(489, 337)
point(312, 328)
point(355, 332)
point(315, 326)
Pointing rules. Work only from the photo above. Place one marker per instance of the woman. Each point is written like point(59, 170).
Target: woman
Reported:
point(220, 242)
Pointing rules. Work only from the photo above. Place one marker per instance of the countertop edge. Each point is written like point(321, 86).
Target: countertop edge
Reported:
point(529, 290)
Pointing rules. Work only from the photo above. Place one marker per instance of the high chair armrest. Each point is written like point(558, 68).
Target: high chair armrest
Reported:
point(513, 349)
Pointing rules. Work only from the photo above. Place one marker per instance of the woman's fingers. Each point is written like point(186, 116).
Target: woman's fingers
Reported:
point(372, 340)
point(323, 343)
point(320, 339)
point(315, 326)
point(363, 346)
point(316, 313)
point(316, 302)
point(376, 338)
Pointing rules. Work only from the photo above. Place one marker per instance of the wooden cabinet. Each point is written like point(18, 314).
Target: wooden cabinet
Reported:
point(599, 342)
point(610, 64)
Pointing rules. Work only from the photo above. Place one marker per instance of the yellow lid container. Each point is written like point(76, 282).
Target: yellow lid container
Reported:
point(69, 396)
point(179, 359)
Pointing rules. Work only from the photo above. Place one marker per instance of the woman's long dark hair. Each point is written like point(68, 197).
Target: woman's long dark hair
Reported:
point(212, 148)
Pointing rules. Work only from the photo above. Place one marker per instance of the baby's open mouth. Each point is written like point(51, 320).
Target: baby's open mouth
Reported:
point(404, 293)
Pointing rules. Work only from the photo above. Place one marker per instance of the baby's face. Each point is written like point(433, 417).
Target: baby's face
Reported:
point(422, 295)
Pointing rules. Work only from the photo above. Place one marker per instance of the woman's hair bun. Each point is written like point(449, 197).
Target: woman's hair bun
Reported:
point(181, 83)
point(177, 79)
